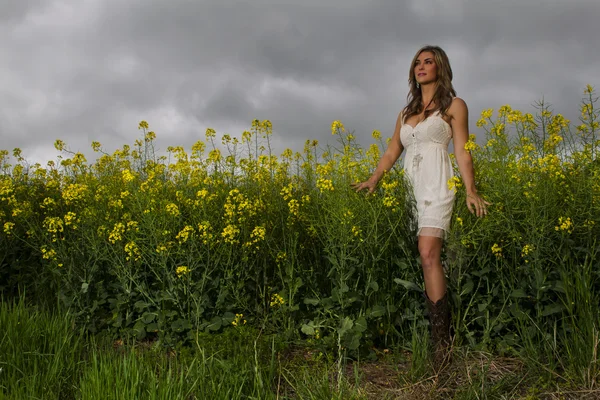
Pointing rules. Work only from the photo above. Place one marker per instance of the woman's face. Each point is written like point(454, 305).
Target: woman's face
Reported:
point(425, 68)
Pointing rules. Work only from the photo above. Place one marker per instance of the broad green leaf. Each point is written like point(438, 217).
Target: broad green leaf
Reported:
point(467, 288)
point(377, 311)
point(312, 302)
point(552, 309)
point(345, 326)
point(408, 285)
point(519, 293)
point(215, 324)
point(360, 324)
point(308, 329)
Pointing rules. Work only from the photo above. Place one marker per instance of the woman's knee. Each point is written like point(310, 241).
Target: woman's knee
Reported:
point(430, 253)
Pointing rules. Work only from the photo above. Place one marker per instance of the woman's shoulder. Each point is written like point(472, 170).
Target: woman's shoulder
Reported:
point(457, 105)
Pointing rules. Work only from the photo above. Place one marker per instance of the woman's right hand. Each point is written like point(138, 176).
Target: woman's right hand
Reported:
point(370, 185)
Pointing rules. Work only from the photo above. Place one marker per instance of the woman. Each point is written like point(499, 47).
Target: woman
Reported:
point(432, 117)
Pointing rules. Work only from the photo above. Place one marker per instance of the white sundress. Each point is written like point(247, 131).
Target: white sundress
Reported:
point(428, 168)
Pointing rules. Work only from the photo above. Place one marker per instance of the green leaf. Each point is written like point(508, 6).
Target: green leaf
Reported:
point(215, 324)
point(308, 329)
point(519, 293)
point(360, 324)
point(467, 288)
point(354, 342)
point(552, 309)
point(148, 317)
point(374, 285)
point(228, 318)
point(377, 311)
point(345, 326)
point(84, 287)
point(312, 302)
point(407, 285)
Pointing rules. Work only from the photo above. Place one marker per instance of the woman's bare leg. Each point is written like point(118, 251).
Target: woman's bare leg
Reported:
point(430, 249)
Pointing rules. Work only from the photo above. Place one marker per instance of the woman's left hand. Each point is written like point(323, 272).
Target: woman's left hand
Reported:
point(476, 204)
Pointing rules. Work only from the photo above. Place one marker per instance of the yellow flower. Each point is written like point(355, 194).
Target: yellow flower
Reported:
point(71, 219)
point(173, 209)
point(276, 300)
point(127, 175)
point(117, 233)
point(239, 320)
point(184, 234)
point(459, 220)
point(454, 183)
point(526, 250)
point(180, 271)
point(497, 250)
point(210, 133)
point(48, 254)
point(8, 227)
point(230, 233)
point(564, 224)
point(133, 251)
point(53, 224)
point(336, 127)
point(324, 185)
point(376, 134)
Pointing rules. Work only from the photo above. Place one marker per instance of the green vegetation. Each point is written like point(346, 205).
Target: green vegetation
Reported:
point(241, 274)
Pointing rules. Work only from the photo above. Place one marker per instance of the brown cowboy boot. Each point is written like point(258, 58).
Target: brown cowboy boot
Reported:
point(439, 319)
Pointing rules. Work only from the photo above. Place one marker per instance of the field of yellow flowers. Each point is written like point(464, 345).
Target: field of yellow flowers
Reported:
point(230, 234)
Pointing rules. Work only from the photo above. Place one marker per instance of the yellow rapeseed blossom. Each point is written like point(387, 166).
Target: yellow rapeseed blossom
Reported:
point(210, 133)
point(172, 209)
point(337, 126)
point(276, 300)
point(239, 320)
point(53, 224)
point(485, 116)
point(133, 251)
point(74, 192)
point(564, 224)
point(59, 145)
point(184, 234)
point(459, 221)
point(258, 234)
point(281, 257)
point(230, 233)
point(71, 219)
point(470, 145)
point(48, 254)
point(376, 134)
point(204, 232)
point(117, 233)
point(497, 250)
point(143, 125)
point(127, 175)
point(181, 271)
point(324, 185)
point(454, 183)
point(526, 250)
point(8, 227)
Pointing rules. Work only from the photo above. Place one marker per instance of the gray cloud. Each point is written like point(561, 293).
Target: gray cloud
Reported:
point(91, 70)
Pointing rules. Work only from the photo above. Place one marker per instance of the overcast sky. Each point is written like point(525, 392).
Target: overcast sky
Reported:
point(90, 70)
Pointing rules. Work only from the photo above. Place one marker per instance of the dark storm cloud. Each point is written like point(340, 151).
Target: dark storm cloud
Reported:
point(90, 70)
